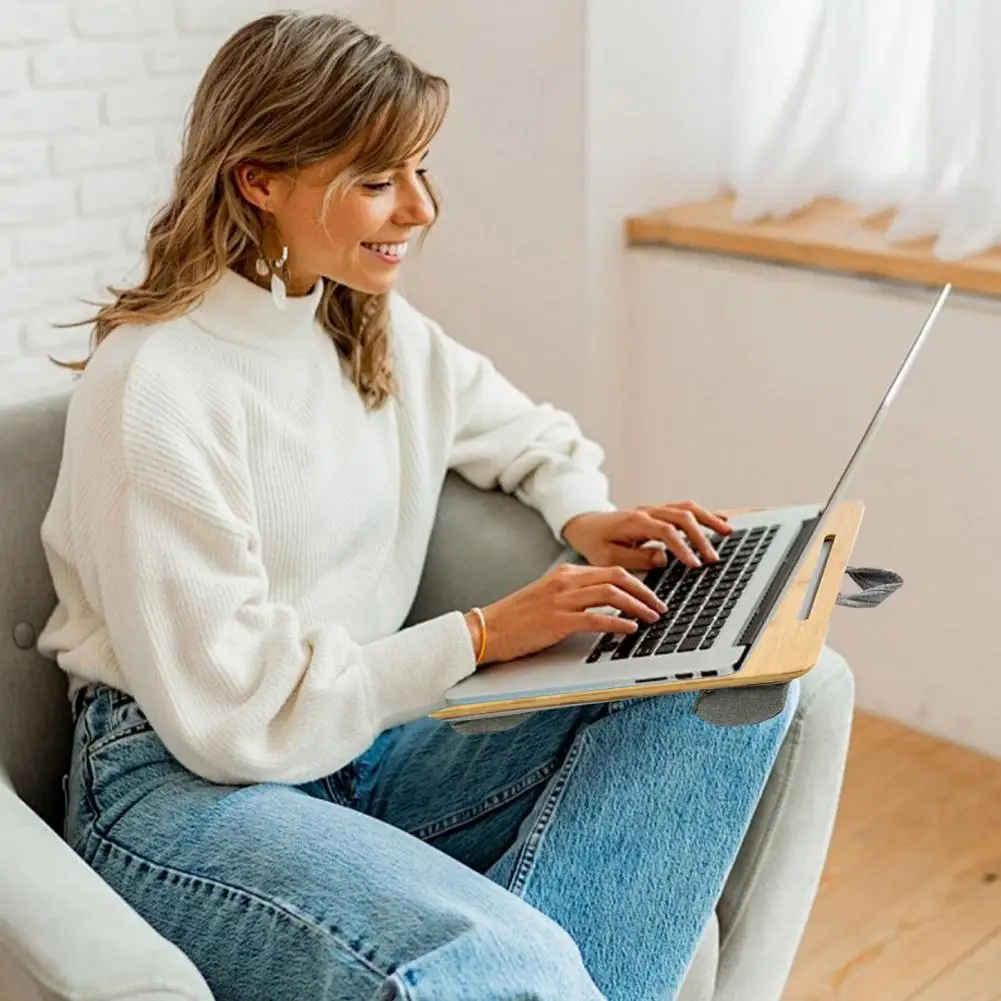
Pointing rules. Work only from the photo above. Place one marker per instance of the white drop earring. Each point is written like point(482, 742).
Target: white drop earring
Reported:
point(279, 292)
point(274, 261)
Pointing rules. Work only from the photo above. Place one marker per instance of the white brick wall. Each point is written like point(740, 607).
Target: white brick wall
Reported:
point(92, 94)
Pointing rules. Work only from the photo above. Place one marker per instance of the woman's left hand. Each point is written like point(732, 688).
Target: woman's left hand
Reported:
point(608, 538)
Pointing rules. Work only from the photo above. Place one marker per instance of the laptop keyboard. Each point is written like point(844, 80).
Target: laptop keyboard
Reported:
point(699, 600)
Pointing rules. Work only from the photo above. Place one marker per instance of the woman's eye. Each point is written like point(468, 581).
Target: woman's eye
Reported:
point(377, 186)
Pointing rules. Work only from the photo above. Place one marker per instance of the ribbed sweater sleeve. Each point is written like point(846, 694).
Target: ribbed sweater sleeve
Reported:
point(502, 438)
point(237, 686)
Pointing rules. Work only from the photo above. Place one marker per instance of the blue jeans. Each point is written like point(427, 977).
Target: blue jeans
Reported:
point(575, 856)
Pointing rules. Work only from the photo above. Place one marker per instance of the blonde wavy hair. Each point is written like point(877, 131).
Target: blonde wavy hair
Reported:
point(287, 90)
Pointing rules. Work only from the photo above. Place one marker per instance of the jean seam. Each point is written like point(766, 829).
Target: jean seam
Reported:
point(116, 735)
point(87, 755)
point(282, 909)
point(402, 988)
point(529, 852)
point(341, 797)
point(87, 777)
point(490, 803)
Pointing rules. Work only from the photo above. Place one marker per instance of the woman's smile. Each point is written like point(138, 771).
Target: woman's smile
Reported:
point(391, 253)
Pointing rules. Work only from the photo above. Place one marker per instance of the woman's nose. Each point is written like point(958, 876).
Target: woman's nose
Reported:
point(418, 209)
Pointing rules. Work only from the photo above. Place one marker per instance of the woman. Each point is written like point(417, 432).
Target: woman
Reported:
point(252, 463)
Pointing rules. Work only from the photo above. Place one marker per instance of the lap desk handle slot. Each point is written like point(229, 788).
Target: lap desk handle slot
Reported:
point(796, 634)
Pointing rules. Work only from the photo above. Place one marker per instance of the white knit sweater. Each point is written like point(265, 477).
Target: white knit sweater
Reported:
point(236, 541)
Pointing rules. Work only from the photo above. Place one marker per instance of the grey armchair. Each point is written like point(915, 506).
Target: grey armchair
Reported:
point(65, 934)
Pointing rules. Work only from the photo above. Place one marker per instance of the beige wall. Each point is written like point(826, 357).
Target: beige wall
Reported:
point(547, 147)
point(503, 270)
point(756, 384)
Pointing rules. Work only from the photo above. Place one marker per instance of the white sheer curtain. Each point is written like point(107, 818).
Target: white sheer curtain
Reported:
point(883, 103)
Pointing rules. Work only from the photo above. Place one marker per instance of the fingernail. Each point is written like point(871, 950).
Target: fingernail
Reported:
point(659, 559)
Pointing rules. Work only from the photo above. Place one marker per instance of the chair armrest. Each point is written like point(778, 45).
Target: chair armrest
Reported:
point(484, 545)
point(771, 889)
point(64, 933)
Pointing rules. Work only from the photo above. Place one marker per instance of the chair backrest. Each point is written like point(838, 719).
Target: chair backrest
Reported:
point(484, 545)
point(35, 721)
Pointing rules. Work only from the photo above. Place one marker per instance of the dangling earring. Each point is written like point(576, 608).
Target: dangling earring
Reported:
point(274, 261)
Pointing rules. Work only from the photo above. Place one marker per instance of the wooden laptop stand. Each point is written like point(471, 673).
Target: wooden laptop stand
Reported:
point(789, 646)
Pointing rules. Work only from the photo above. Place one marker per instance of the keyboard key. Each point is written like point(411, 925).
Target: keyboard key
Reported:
point(708, 641)
point(668, 645)
point(700, 599)
point(667, 585)
point(607, 643)
point(651, 638)
point(646, 648)
point(627, 645)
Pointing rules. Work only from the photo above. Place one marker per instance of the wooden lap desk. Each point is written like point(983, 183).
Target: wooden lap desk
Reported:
point(789, 646)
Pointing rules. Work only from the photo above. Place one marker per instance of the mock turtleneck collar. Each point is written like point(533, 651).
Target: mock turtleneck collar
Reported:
point(235, 309)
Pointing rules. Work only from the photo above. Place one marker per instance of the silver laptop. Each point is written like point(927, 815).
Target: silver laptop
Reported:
point(715, 612)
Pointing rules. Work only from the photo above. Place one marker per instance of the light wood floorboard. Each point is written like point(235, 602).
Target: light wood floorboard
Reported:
point(910, 903)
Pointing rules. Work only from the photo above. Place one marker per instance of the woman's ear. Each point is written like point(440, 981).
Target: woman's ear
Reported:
point(258, 186)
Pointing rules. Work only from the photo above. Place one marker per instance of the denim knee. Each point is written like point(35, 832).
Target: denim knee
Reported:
point(527, 957)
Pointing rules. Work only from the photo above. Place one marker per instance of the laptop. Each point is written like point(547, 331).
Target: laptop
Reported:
point(715, 612)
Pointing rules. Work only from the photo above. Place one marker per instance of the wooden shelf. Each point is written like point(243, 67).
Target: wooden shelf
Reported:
point(829, 236)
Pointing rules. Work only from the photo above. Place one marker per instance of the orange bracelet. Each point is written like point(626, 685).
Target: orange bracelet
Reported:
point(478, 612)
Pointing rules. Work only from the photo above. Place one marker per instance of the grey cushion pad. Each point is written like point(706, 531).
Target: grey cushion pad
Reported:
point(740, 706)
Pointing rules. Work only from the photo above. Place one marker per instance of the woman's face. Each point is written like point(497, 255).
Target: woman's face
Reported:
point(364, 235)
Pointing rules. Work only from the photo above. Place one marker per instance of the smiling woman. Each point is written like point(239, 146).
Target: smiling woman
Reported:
point(289, 172)
point(364, 225)
point(252, 469)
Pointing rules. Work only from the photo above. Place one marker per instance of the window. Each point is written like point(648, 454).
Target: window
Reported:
point(886, 104)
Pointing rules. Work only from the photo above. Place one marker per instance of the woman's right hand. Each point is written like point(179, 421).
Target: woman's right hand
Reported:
point(569, 599)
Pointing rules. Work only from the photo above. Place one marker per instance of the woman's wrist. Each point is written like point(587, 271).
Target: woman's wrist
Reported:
point(476, 622)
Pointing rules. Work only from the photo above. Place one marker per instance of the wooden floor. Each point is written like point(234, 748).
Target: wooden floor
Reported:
point(910, 905)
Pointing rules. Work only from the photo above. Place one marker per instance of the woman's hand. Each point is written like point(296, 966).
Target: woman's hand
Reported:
point(608, 538)
point(569, 599)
